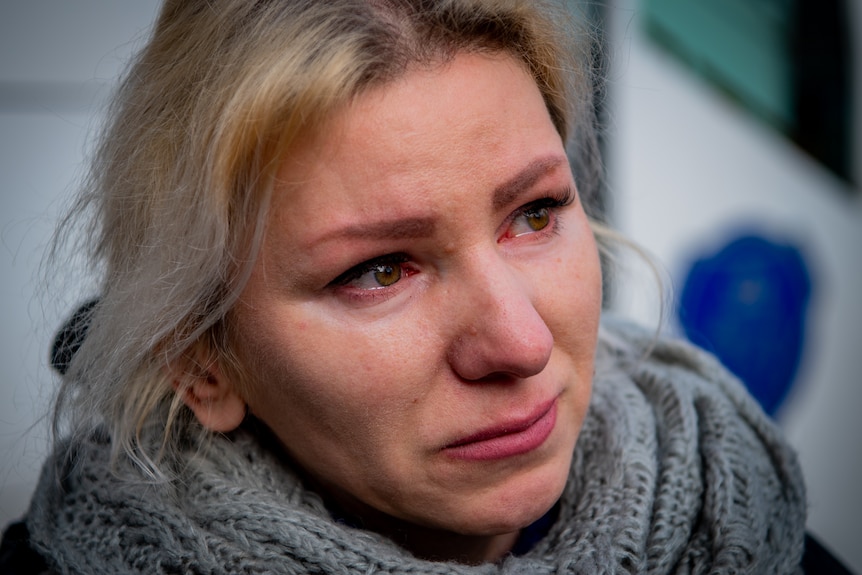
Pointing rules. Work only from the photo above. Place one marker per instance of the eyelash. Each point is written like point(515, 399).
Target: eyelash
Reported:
point(553, 203)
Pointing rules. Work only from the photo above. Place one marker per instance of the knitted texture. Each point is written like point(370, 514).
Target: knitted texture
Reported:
point(676, 470)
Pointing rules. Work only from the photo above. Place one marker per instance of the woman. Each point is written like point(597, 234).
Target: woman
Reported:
point(349, 321)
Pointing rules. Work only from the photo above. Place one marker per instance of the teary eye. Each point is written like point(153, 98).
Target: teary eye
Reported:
point(540, 215)
point(378, 273)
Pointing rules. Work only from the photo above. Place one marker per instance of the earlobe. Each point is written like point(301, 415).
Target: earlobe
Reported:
point(210, 395)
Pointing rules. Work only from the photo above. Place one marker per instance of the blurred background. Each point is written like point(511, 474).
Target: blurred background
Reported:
point(732, 132)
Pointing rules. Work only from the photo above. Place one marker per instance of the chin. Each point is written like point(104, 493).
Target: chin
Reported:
point(515, 504)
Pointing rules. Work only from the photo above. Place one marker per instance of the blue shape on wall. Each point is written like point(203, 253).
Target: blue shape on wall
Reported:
point(747, 304)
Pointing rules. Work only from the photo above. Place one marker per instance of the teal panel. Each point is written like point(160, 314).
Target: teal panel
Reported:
point(741, 45)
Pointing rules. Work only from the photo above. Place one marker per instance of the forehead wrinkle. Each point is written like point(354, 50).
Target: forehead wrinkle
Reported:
point(394, 229)
point(507, 192)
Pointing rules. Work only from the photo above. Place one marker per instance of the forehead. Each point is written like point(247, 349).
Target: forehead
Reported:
point(429, 137)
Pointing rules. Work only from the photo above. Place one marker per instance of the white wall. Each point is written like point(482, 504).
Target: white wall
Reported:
point(687, 168)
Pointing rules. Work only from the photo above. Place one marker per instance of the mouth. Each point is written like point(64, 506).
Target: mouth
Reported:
point(507, 440)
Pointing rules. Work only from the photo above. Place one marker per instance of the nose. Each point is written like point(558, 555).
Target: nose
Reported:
point(500, 331)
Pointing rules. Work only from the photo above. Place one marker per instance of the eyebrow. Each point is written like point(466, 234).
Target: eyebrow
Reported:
point(423, 227)
point(397, 229)
point(507, 192)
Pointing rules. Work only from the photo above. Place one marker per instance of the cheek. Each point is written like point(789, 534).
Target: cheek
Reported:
point(345, 405)
point(308, 373)
point(570, 294)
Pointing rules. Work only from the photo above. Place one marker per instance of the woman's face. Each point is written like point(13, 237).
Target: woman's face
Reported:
point(420, 325)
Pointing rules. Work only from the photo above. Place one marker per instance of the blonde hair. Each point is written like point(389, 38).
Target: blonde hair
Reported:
point(179, 188)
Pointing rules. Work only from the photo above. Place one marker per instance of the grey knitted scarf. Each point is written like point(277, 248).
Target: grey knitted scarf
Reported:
point(676, 471)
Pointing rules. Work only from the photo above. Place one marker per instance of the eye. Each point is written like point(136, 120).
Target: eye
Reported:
point(538, 216)
point(379, 273)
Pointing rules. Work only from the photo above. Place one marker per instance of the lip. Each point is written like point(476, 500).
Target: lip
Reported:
point(509, 439)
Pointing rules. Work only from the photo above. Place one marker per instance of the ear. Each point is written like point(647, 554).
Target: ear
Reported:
point(208, 392)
